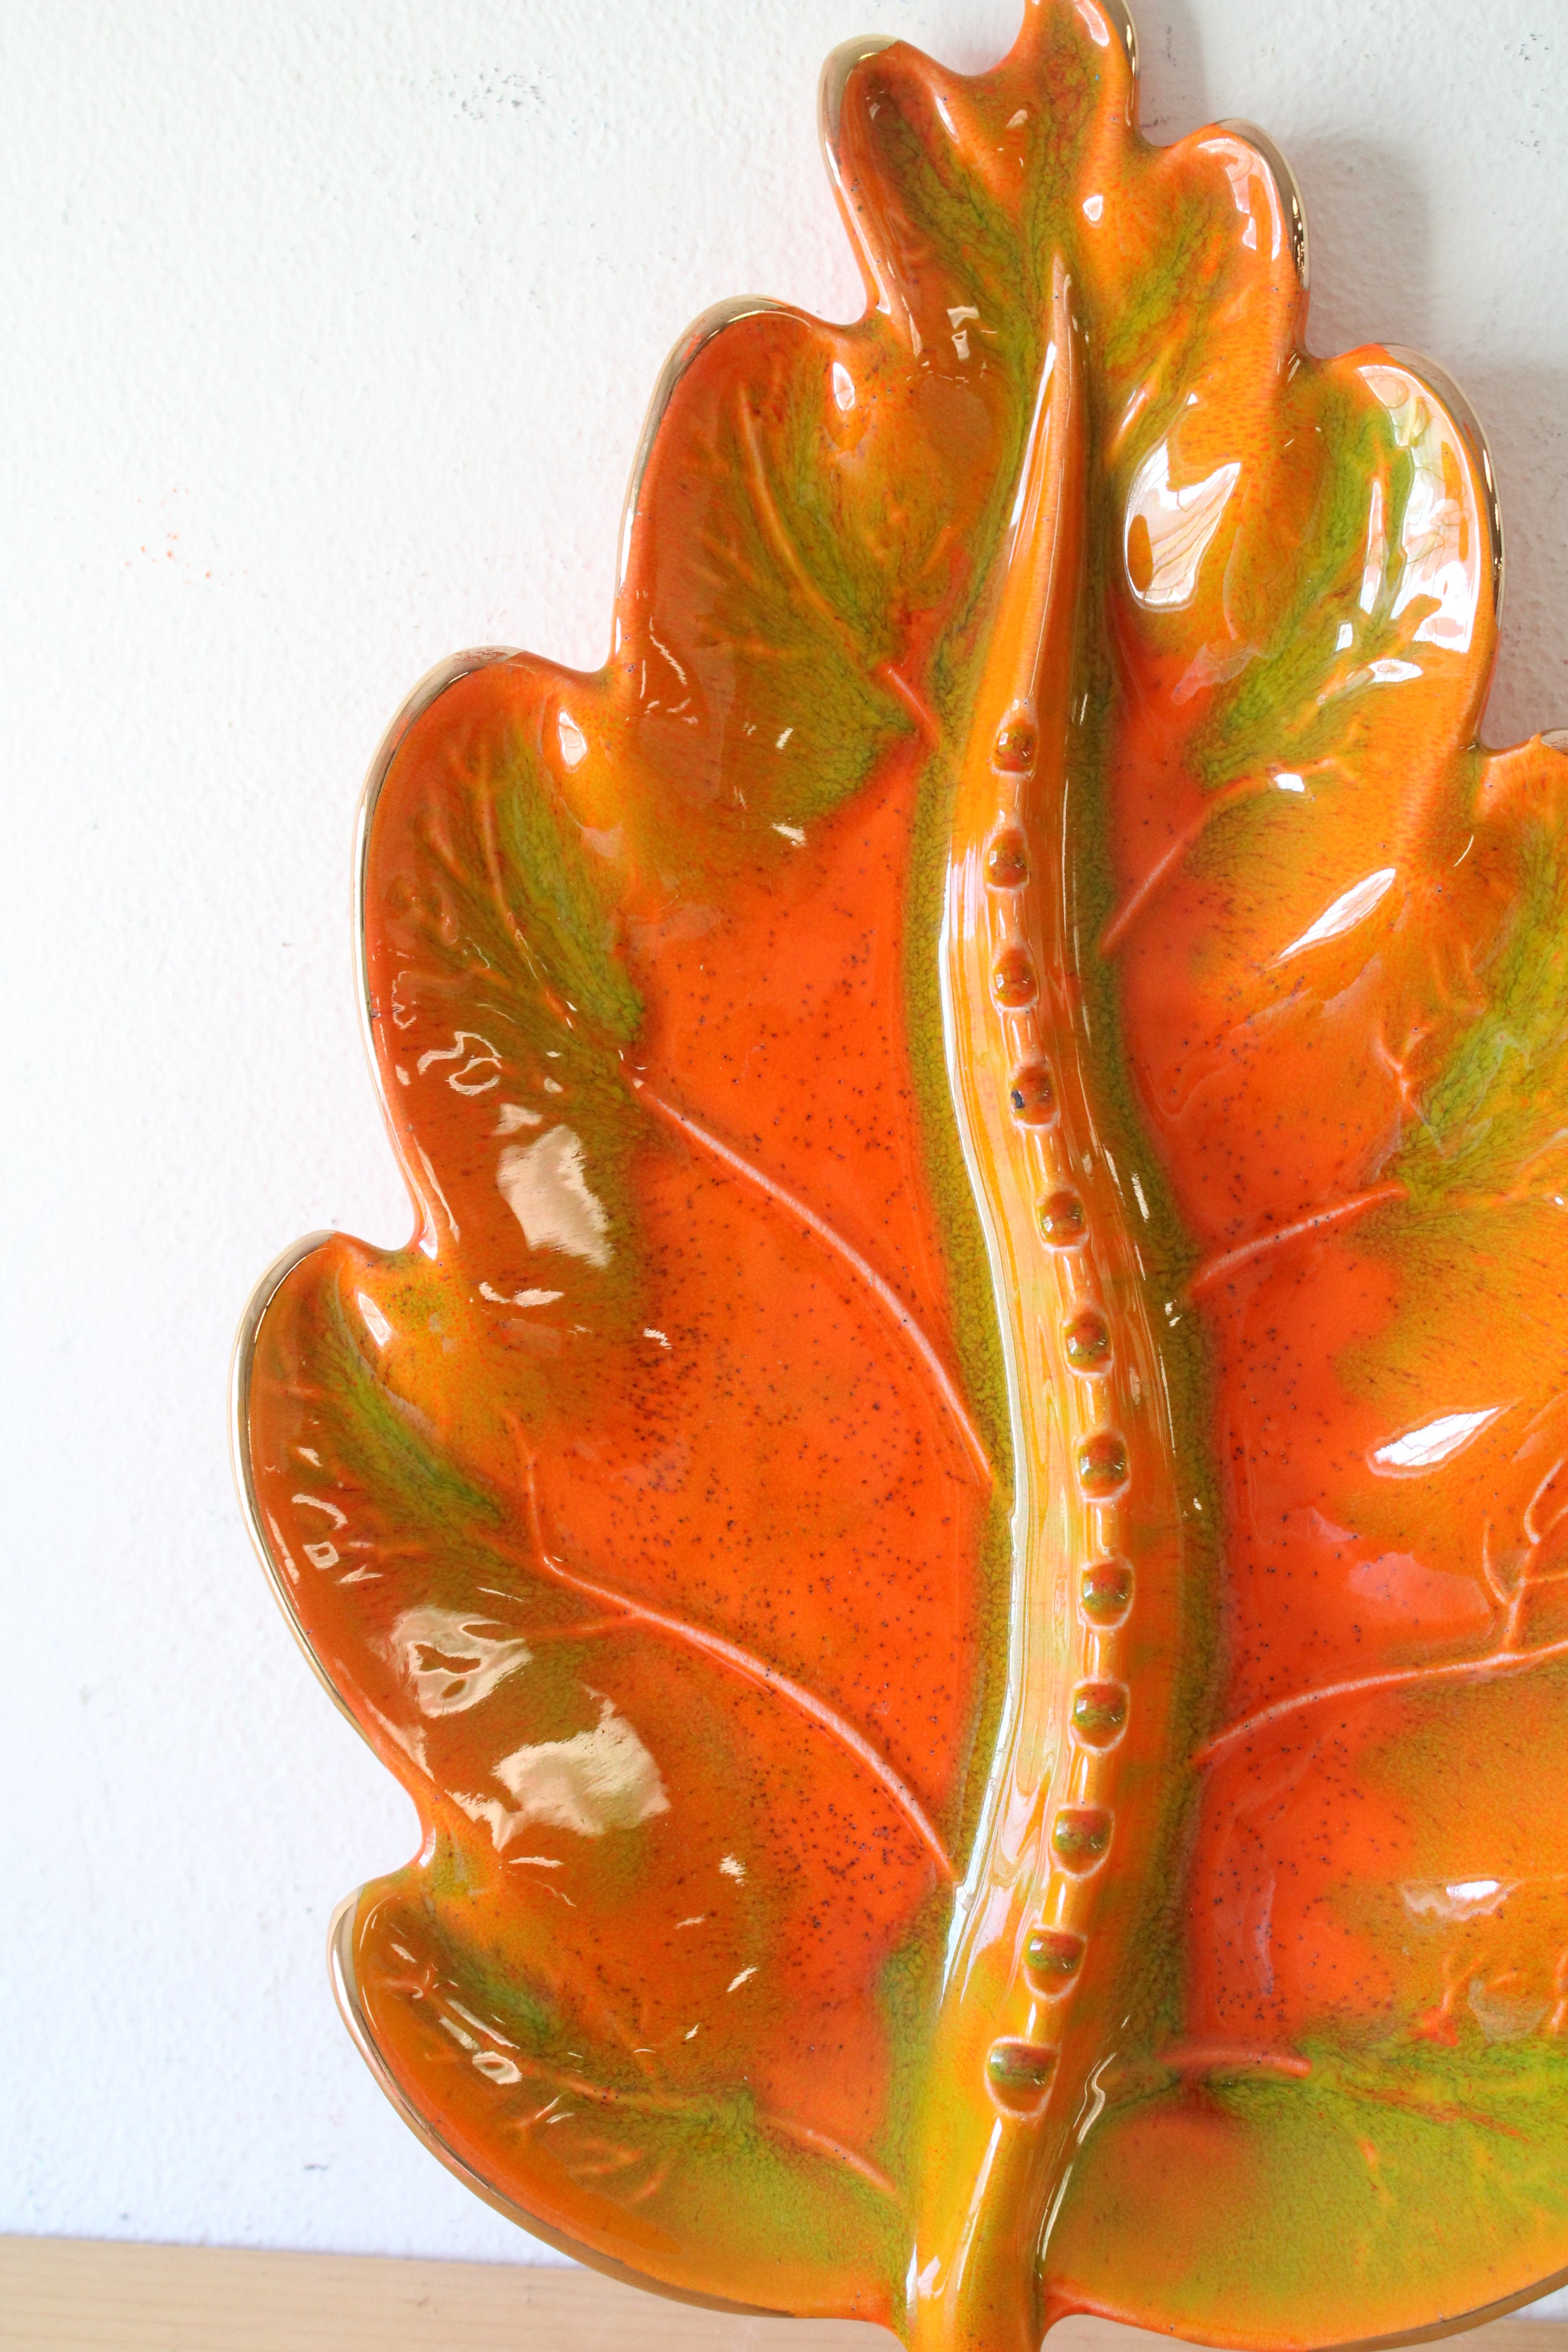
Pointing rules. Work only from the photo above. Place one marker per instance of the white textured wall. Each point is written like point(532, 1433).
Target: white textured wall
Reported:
point(325, 332)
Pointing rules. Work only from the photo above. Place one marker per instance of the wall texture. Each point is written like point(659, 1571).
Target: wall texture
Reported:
point(328, 330)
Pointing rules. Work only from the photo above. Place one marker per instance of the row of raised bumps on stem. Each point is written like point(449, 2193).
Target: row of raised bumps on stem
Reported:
point(1019, 2069)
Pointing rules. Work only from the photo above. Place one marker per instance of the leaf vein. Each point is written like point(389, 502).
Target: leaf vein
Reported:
point(741, 1661)
point(885, 1295)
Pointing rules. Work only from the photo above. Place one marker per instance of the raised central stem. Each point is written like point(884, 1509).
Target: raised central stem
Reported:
point(1036, 1953)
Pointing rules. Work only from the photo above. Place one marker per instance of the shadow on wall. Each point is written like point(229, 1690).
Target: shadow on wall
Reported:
point(1525, 409)
point(1367, 286)
point(1174, 93)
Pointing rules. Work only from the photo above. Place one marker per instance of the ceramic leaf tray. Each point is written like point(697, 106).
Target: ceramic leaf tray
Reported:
point(957, 1515)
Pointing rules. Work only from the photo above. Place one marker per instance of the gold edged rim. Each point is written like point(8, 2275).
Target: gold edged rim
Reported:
point(884, 297)
point(431, 687)
point(1480, 2317)
point(831, 85)
point(345, 1989)
point(242, 1357)
point(1434, 2332)
point(683, 352)
point(240, 1366)
point(1442, 386)
point(1290, 189)
point(1120, 17)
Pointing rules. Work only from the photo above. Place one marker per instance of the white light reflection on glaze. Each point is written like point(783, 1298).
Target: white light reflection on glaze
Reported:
point(1432, 1442)
point(1393, 673)
point(497, 2068)
point(325, 1554)
point(475, 1054)
point(447, 1662)
point(1181, 524)
point(595, 1782)
point(574, 742)
point(1504, 2017)
point(1351, 908)
point(959, 317)
point(544, 1185)
point(1444, 548)
point(1458, 1899)
point(1376, 549)
point(375, 1322)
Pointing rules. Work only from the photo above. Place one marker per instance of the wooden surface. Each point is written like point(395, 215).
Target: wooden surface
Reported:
point(93, 2295)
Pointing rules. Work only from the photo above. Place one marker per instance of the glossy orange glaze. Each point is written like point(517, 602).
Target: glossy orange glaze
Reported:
point(738, 1484)
point(955, 1515)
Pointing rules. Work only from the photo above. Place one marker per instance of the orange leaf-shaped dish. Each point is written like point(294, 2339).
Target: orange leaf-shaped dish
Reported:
point(957, 1518)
